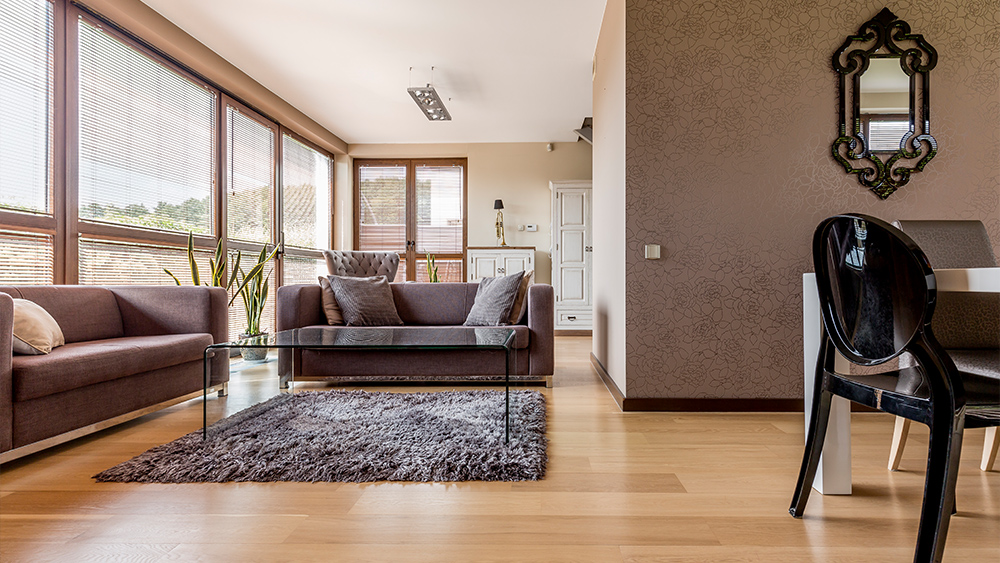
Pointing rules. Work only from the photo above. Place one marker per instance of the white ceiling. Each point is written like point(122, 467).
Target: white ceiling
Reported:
point(514, 70)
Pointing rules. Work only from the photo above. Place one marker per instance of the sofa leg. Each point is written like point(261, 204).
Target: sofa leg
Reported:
point(224, 389)
point(548, 381)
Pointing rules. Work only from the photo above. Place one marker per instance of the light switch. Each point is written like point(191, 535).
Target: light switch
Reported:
point(532, 227)
point(652, 252)
point(520, 227)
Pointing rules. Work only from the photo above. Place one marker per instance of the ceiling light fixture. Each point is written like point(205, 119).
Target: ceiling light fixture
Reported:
point(428, 100)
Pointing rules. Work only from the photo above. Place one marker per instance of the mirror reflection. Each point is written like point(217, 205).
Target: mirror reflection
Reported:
point(885, 104)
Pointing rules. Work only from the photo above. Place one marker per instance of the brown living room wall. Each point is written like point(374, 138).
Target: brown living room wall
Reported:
point(731, 108)
point(143, 22)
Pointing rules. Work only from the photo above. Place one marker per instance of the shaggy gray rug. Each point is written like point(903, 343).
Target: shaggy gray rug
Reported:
point(357, 436)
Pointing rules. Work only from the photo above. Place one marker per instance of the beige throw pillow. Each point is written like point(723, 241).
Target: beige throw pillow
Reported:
point(35, 331)
point(334, 316)
point(521, 301)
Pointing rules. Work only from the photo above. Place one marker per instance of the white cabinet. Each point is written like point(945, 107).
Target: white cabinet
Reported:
point(492, 261)
point(572, 254)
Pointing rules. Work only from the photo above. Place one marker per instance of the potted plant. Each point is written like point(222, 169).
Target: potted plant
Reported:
point(252, 286)
point(432, 269)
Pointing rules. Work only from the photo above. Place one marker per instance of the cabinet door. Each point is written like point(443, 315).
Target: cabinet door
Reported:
point(482, 265)
point(573, 246)
point(515, 262)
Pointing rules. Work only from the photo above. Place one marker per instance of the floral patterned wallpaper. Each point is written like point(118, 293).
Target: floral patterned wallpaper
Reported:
point(731, 108)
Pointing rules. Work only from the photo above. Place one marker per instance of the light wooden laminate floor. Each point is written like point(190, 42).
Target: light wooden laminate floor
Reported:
point(635, 487)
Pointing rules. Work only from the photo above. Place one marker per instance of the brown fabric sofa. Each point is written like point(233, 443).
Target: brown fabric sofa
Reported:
point(422, 306)
point(128, 349)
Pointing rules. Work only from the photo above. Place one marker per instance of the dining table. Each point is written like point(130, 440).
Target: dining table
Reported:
point(833, 476)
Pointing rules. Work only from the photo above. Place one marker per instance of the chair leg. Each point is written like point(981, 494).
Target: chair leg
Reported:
point(990, 447)
point(814, 448)
point(943, 453)
point(899, 434)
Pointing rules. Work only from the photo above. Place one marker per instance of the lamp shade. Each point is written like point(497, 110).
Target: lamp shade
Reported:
point(498, 204)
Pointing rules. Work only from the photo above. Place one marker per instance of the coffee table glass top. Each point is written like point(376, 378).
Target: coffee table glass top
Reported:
point(380, 337)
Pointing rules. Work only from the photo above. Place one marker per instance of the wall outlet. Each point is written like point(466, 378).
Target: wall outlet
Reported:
point(520, 227)
point(532, 227)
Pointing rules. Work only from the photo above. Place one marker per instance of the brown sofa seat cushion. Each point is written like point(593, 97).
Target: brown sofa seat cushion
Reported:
point(522, 335)
point(86, 363)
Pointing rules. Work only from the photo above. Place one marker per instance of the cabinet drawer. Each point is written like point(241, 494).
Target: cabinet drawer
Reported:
point(574, 318)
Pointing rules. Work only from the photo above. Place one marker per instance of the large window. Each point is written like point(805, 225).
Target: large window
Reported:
point(146, 141)
point(305, 209)
point(415, 208)
point(111, 154)
point(27, 82)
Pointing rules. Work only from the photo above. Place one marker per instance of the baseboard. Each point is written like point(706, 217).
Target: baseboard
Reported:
point(664, 404)
point(35, 447)
point(573, 332)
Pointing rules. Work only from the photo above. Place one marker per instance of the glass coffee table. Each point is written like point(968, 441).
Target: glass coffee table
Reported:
point(386, 339)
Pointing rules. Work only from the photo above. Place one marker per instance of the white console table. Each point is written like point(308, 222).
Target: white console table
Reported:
point(833, 477)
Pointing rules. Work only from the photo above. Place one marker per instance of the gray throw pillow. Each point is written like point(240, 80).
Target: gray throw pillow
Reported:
point(365, 301)
point(494, 300)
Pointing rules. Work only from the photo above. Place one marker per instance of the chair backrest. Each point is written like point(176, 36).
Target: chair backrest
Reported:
point(967, 320)
point(360, 263)
point(951, 244)
point(875, 286)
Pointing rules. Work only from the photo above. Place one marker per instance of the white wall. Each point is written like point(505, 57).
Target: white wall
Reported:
point(517, 173)
point(609, 194)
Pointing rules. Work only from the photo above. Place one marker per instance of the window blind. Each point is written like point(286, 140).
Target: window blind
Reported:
point(26, 99)
point(147, 138)
point(305, 193)
point(302, 269)
point(382, 221)
point(105, 262)
point(439, 209)
point(27, 258)
point(884, 135)
point(250, 177)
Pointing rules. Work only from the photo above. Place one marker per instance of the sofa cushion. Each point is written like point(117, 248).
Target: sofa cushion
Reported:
point(331, 309)
point(35, 331)
point(494, 300)
point(365, 301)
point(86, 363)
point(83, 313)
point(522, 334)
point(433, 303)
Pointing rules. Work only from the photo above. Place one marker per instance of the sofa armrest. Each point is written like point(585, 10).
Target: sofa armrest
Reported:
point(298, 306)
point(6, 383)
point(541, 323)
point(156, 310)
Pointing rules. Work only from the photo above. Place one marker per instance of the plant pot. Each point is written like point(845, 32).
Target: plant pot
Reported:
point(253, 354)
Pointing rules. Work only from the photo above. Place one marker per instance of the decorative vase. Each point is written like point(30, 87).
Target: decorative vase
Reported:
point(253, 354)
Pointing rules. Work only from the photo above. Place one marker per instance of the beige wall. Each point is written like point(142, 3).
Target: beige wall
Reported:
point(609, 194)
point(142, 21)
point(731, 111)
point(517, 173)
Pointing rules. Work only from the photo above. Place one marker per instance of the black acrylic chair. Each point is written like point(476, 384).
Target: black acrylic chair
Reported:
point(877, 294)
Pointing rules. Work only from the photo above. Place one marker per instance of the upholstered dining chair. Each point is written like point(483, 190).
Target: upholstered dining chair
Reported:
point(966, 324)
point(877, 296)
point(361, 263)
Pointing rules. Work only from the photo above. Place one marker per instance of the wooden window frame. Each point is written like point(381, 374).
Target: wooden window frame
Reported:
point(409, 256)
